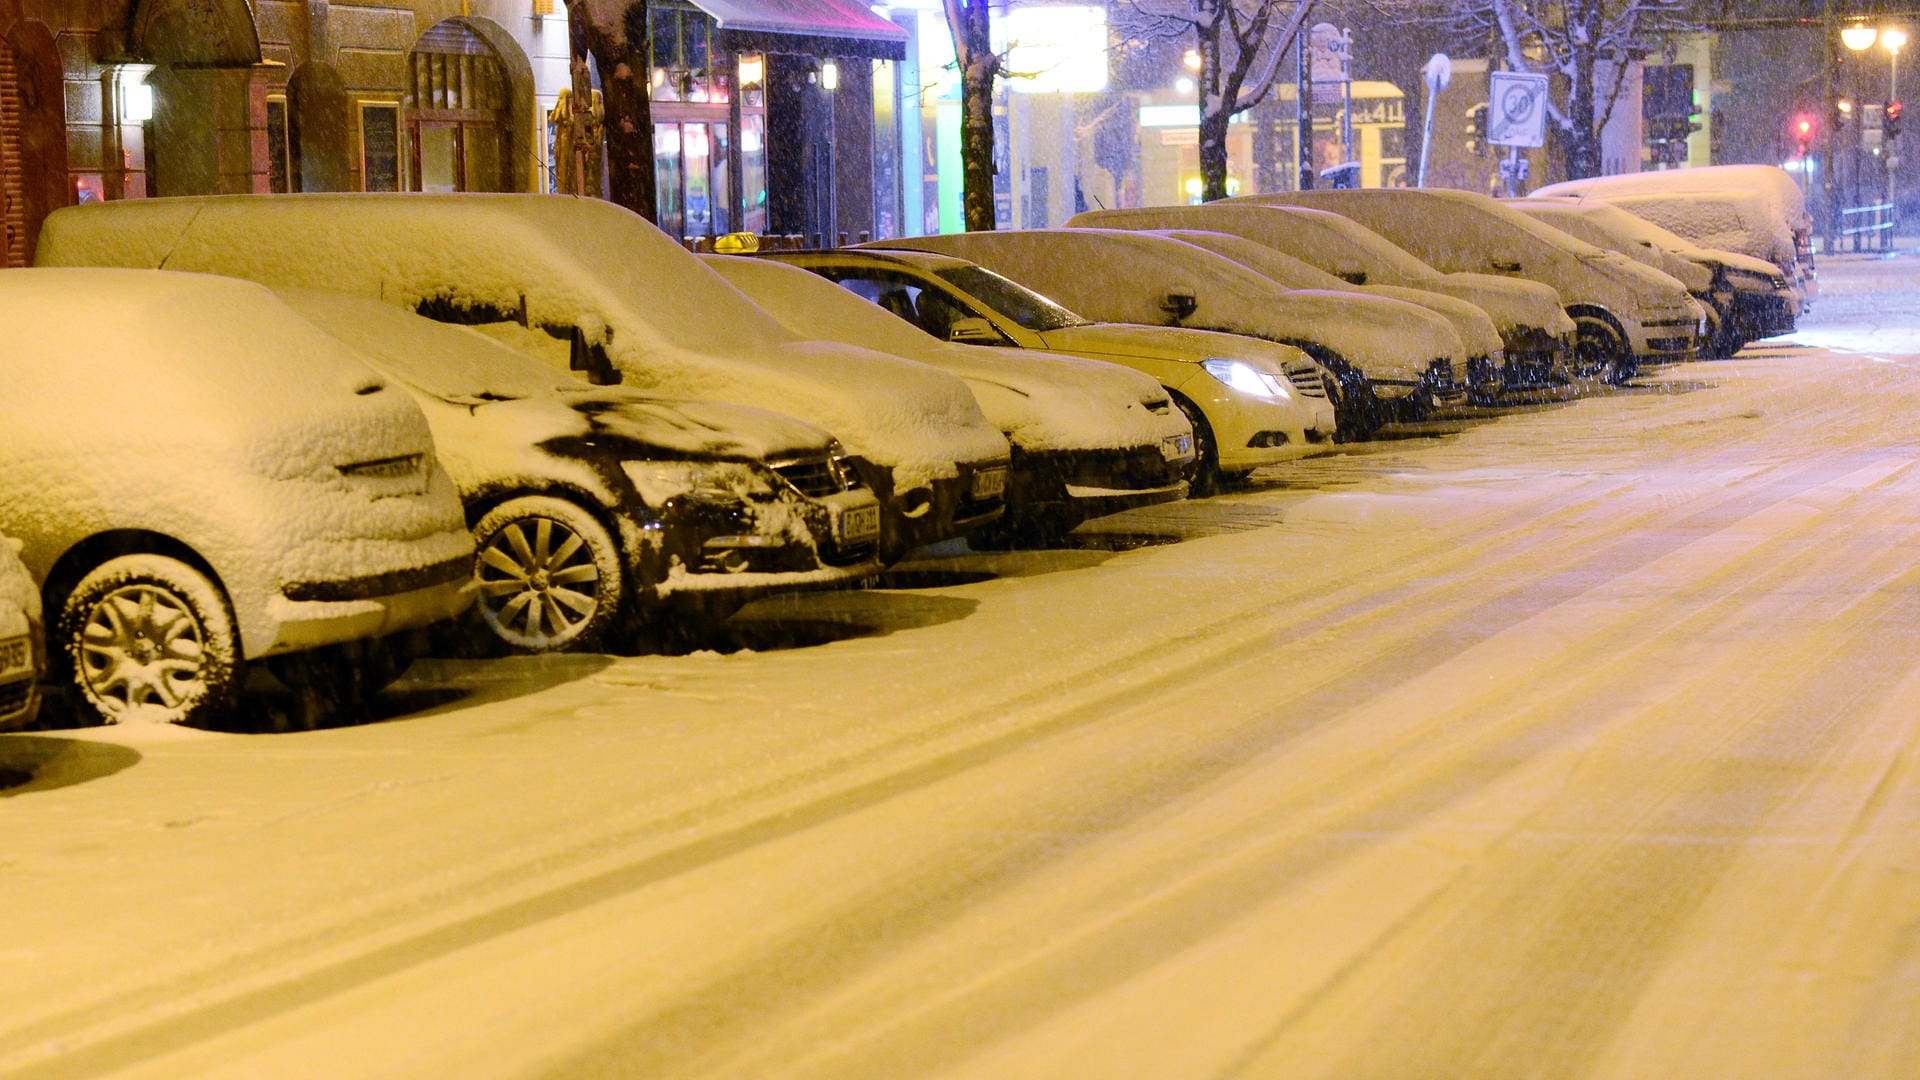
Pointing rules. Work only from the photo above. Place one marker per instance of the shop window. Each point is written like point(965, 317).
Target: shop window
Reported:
point(279, 146)
point(379, 146)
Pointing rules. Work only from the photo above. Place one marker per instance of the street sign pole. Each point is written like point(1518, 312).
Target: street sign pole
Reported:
point(1439, 71)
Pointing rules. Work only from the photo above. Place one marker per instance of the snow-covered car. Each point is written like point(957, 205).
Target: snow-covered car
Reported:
point(598, 509)
point(1250, 402)
point(1756, 210)
point(1476, 331)
point(1089, 437)
point(1392, 360)
point(633, 306)
point(201, 478)
point(23, 647)
point(1625, 314)
point(1536, 336)
point(1746, 298)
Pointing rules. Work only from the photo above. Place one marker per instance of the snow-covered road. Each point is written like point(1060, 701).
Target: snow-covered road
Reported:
point(1578, 739)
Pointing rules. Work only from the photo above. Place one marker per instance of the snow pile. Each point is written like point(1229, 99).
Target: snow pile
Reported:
point(668, 324)
point(204, 409)
point(1350, 253)
point(1130, 277)
point(1041, 401)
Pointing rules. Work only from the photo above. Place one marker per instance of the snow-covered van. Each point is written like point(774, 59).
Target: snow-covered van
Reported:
point(1624, 313)
point(1385, 352)
point(1089, 437)
point(201, 478)
point(1746, 298)
point(599, 510)
point(1250, 402)
point(23, 649)
point(1536, 336)
point(633, 306)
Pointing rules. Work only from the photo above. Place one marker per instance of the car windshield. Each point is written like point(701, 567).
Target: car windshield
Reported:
point(1016, 302)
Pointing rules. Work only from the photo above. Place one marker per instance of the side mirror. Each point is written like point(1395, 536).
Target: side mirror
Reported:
point(973, 330)
point(1353, 277)
point(1179, 303)
point(591, 359)
point(1504, 265)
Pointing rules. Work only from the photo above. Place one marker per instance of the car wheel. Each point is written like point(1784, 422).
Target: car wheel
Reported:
point(549, 575)
point(1203, 473)
point(1599, 352)
point(150, 638)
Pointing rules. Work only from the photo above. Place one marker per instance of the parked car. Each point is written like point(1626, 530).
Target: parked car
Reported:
point(1089, 438)
point(1250, 402)
point(1393, 360)
point(23, 649)
point(624, 302)
point(1757, 210)
point(1746, 298)
point(1536, 336)
point(598, 509)
point(1624, 314)
point(1477, 332)
point(233, 485)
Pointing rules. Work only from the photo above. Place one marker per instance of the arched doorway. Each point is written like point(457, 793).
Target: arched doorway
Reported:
point(459, 111)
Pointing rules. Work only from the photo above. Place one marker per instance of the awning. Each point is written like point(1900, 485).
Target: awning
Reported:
point(815, 27)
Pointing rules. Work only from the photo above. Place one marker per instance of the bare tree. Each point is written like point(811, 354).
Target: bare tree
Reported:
point(1584, 45)
point(614, 34)
point(972, 28)
point(1240, 43)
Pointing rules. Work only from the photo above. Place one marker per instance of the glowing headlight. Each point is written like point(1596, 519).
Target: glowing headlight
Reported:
point(658, 481)
point(1242, 377)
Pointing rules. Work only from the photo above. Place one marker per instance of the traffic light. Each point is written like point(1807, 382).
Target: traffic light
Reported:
point(1804, 128)
point(1893, 119)
point(1476, 129)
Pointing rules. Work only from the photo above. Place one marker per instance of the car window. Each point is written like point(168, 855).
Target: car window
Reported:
point(1015, 302)
point(932, 310)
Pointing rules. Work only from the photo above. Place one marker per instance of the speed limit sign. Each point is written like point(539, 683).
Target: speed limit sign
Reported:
point(1516, 108)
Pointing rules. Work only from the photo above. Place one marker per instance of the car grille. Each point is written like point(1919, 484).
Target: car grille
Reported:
point(1309, 380)
point(815, 477)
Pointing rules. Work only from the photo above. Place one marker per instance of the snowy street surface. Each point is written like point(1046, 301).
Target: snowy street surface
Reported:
point(1578, 739)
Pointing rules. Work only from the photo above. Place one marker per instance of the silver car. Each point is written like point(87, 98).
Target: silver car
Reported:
point(201, 479)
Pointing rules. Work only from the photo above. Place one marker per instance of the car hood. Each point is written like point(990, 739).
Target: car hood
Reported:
point(1512, 304)
point(1475, 328)
point(634, 425)
point(1383, 338)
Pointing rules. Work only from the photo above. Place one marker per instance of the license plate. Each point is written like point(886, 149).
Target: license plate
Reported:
point(16, 659)
point(1176, 447)
point(989, 483)
point(856, 524)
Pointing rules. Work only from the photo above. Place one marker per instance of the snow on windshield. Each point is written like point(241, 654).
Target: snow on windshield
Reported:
point(1024, 306)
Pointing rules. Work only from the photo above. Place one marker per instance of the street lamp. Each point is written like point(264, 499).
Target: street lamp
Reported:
point(1859, 38)
point(1894, 39)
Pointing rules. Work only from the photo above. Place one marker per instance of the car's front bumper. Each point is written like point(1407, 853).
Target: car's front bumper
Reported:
point(1085, 484)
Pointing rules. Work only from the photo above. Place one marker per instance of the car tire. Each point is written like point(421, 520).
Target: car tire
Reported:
point(1203, 474)
point(150, 638)
point(548, 575)
point(1600, 352)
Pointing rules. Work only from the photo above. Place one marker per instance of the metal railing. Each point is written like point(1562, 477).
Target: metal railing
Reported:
point(1861, 224)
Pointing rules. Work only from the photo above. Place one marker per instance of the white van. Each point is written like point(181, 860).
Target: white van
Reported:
point(1625, 313)
point(633, 306)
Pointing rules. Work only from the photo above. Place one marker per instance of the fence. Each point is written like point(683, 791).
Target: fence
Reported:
point(1862, 224)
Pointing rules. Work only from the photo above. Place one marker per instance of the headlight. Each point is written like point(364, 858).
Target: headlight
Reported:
point(1240, 376)
point(658, 481)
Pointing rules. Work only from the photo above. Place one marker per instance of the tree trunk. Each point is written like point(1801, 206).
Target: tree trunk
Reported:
point(1215, 111)
point(624, 56)
point(1583, 142)
point(973, 49)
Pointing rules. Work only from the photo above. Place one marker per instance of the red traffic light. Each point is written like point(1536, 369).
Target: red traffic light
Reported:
point(1892, 125)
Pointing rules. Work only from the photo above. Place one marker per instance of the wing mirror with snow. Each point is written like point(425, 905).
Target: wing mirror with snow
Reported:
point(1352, 275)
point(973, 330)
point(1179, 303)
point(1504, 264)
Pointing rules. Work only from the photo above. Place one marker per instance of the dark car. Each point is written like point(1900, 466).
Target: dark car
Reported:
point(600, 510)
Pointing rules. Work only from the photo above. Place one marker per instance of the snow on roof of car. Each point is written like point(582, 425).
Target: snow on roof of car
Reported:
point(669, 324)
point(1300, 231)
point(1739, 221)
point(1120, 276)
point(1042, 401)
point(1773, 186)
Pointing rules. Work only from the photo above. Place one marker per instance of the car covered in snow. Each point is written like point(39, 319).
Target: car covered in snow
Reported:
point(1756, 210)
point(1536, 336)
point(1250, 402)
point(1746, 298)
point(1625, 314)
point(598, 510)
point(1089, 437)
point(1392, 360)
point(200, 478)
point(632, 306)
point(23, 649)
